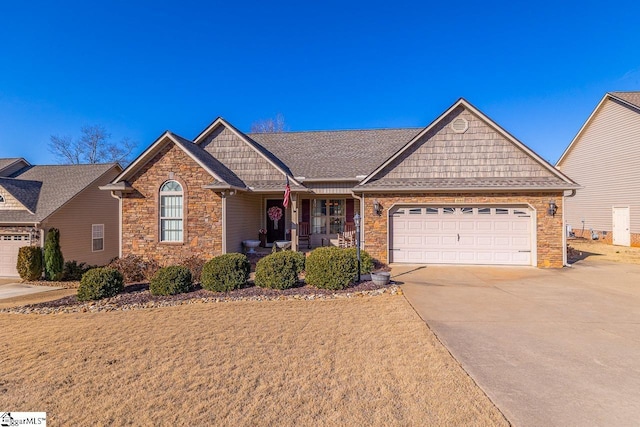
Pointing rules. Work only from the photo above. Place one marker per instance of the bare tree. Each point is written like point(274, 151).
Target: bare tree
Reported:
point(93, 146)
point(272, 125)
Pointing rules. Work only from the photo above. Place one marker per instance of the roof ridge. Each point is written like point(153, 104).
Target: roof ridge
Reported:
point(334, 130)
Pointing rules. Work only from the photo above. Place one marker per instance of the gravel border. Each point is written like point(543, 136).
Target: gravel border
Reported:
point(137, 296)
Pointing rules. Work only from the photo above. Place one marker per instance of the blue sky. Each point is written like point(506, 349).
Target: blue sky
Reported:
point(139, 68)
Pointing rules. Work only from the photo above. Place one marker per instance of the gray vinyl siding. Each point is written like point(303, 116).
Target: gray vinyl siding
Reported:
point(331, 187)
point(244, 219)
point(74, 220)
point(605, 160)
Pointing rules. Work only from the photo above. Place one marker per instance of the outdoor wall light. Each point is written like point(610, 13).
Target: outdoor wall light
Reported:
point(553, 208)
point(377, 207)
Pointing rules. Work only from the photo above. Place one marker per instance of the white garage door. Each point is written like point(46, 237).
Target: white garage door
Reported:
point(9, 245)
point(461, 235)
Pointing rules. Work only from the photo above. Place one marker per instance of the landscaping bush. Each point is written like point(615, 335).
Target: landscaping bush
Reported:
point(171, 280)
point(53, 259)
point(73, 271)
point(30, 262)
point(194, 263)
point(366, 262)
point(99, 283)
point(225, 272)
point(330, 268)
point(279, 270)
point(134, 268)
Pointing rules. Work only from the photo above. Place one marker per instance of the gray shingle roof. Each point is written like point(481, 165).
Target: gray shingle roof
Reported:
point(57, 185)
point(25, 191)
point(6, 162)
point(335, 154)
point(630, 97)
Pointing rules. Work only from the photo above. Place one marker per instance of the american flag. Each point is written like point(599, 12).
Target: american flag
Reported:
point(287, 194)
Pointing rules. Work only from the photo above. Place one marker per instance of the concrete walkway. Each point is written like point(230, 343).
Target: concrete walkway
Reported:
point(11, 288)
point(549, 347)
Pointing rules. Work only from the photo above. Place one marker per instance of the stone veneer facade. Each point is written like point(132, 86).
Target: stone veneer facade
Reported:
point(549, 229)
point(202, 220)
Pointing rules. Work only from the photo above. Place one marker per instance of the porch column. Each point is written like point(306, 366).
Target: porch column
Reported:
point(294, 222)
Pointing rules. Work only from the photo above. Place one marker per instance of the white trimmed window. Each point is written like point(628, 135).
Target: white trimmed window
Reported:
point(329, 213)
point(97, 237)
point(171, 210)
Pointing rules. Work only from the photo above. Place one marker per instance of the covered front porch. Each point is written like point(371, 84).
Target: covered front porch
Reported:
point(309, 221)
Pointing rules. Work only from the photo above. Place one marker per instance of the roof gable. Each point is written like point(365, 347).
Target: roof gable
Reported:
point(211, 165)
point(45, 189)
point(251, 162)
point(629, 99)
point(482, 156)
point(12, 165)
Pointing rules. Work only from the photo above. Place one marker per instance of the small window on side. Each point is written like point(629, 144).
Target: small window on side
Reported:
point(1, 198)
point(97, 237)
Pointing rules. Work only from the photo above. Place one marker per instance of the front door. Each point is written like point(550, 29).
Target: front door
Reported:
point(275, 221)
point(621, 224)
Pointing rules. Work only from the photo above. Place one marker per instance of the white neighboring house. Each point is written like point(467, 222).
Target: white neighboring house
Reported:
point(34, 199)
point(604, 158)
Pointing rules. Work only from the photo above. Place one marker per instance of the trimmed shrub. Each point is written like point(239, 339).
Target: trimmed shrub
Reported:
point(134, 268)
point(194, 263)
point(279, 270)
point(29, 264)
point(225, 273)
point(366, 262)
point(171, 280)
point(99, 283)
point(73, 271)
point(330, 268)
point(53, 259)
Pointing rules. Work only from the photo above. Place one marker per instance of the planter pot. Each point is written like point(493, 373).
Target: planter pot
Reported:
point(381, 278)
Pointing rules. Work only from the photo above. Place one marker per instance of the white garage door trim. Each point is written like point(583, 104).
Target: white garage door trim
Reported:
point(462, 234)
point(9, 246)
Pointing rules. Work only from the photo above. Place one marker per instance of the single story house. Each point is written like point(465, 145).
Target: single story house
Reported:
point(605, 158)
point(460, 191)
point(34, 199)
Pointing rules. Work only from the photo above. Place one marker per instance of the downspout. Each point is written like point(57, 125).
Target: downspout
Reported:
point(119, 197)
point(564, 230)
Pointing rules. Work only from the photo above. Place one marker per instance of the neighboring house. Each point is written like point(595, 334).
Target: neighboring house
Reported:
point(604, 157)
point(34, 199)
point(462, 190)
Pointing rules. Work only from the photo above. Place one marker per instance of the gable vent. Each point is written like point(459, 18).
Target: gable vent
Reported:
point(460, 125)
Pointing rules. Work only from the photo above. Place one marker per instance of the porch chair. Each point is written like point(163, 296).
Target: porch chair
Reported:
point(304, 234)
point(347, 239)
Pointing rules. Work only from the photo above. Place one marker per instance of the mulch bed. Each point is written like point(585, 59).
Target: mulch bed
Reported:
point(136, 296)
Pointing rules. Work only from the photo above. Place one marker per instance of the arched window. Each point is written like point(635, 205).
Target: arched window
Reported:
point(171, 211)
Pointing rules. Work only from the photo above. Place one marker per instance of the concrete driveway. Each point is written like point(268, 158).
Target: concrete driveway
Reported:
point(11, 288)
point(549, 347)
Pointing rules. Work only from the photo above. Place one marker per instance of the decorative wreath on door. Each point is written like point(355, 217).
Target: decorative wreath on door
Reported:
point(275, 213)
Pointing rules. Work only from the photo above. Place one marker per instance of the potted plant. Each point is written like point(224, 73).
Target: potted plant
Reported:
point(380, 278)
point(262, 235)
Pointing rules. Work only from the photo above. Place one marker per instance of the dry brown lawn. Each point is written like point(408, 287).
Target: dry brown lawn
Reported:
point(362, 361)
point(596, 250)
